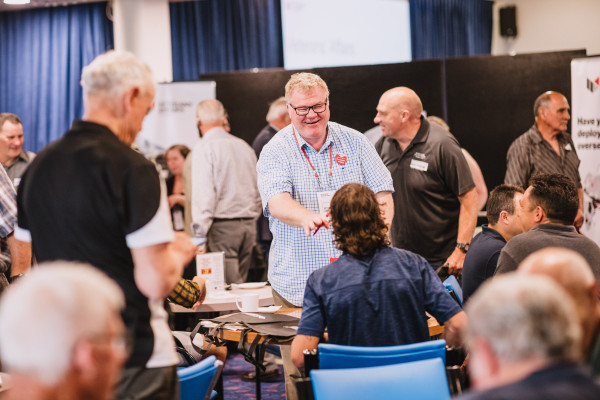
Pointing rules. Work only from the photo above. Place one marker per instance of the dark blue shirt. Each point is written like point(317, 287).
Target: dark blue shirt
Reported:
point(481, 259)
point(380, 301)
point(562, 381)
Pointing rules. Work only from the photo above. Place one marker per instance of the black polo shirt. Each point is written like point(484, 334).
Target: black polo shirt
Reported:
point(428, 178)
point(79, 199)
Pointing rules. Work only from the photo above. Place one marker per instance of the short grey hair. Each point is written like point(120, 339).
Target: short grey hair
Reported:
point(304, 81)
point(210, 111)
point(543, 101)
point(521, 316)
point(114, 72)
point(277, 109)
point(45, 314)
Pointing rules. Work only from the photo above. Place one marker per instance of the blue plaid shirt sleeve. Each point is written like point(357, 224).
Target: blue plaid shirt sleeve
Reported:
point(8, 205)
point(273, 177)
point(376, 175)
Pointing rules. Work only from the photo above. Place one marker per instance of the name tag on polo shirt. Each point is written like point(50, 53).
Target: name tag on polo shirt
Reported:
point(419, 165)
point(324, 200)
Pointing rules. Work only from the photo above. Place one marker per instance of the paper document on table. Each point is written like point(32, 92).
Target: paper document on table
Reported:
point(211, 267)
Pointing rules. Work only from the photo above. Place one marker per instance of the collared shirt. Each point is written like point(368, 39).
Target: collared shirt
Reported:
point(8, 217)
point(17, 168)
point(429, 176)
point(548, 235)
point(283, 168)
point(481, 260)
point(113, 202)
point(223, 179)
point(555, 381)
point(530, 154)
point(379, 301)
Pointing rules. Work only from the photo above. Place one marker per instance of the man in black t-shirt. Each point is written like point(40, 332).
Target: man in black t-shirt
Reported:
point(435, 201)
point(89, 197)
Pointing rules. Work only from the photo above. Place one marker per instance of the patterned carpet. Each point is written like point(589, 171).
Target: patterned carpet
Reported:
point(235, 388)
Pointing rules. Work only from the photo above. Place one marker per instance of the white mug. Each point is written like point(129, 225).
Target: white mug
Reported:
point(249, 302)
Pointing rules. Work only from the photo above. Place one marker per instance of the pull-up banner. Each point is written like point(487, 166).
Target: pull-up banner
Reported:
point(585, 121)
point(173, 119)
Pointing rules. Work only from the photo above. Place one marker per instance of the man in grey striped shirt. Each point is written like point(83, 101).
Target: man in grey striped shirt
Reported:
point(546, 147)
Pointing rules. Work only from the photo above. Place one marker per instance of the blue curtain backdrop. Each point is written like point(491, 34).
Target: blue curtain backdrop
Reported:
point(224, 35)
point(42, 52)
point(450, 28)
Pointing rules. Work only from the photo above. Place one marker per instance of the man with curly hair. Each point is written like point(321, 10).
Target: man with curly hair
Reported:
point(374, 294)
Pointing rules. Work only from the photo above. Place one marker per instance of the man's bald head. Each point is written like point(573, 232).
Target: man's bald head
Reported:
point(568, 268)
point(399, 114)
point(573, 273)
point(403, 98)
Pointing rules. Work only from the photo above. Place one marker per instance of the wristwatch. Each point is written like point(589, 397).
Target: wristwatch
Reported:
point(464, 247)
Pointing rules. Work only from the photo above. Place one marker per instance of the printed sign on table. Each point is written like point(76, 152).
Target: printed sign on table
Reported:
point(211, 267)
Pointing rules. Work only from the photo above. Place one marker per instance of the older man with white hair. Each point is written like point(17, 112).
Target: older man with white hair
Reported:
point(61, 334)
point(524, 340)
point(89, 197)
point(225, 199)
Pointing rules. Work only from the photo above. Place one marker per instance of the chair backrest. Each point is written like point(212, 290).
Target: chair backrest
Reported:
point(197, 381)
point(452, 284)
point(425, 379)
point(339, 356)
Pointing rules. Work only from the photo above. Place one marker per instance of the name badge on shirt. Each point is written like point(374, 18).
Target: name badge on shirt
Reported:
point(419, 165)
point(324, 200)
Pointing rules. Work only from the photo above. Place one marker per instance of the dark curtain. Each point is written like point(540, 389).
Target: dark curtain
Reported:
point(224, 35)
point(450, 28)
point(42, 52)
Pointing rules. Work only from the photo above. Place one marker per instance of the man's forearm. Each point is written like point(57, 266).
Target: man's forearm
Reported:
point(20, 255)
point(467, 219)
point(284, 208)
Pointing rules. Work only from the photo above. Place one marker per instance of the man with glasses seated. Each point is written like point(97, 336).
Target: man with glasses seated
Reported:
point(374, 294)
point(299, 170)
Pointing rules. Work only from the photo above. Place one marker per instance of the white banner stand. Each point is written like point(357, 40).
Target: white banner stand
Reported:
point(585, 123)
point(173, 119)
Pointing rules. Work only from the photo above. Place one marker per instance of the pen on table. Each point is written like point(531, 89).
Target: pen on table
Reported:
point(319, 227)
point(255, 315)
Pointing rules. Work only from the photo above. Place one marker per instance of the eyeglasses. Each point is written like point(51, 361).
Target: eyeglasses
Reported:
point(303, 110)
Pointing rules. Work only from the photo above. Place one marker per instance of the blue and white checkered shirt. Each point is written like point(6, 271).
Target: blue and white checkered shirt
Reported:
point(283, 168)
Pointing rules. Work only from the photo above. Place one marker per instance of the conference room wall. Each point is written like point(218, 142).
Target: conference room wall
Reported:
point(486, 100)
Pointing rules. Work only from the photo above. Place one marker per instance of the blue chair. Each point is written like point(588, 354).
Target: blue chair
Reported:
point(197, 381)
point(452, 284)
point(425, 379)
point(333, 356)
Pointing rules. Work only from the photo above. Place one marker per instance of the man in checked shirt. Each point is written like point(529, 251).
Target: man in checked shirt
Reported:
point(15, 256)
point(546, 147)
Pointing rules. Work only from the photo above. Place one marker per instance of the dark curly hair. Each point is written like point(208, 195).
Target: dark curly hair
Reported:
point(358, 226)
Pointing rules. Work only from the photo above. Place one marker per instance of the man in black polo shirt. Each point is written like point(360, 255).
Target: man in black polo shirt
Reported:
point(503, 223)
point(546, 148)
point(435, 199)
point(89, 197)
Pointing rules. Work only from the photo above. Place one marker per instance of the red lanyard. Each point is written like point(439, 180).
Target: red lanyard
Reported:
point(309, 163)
